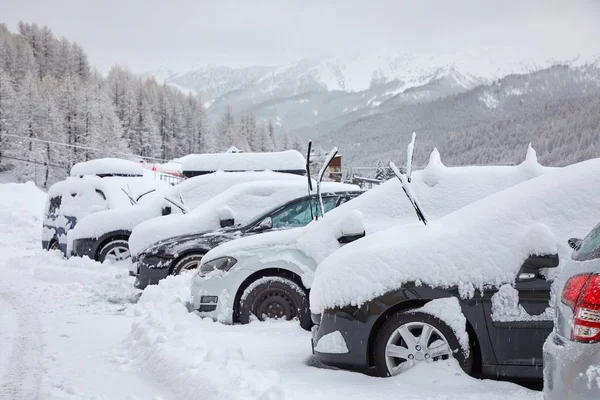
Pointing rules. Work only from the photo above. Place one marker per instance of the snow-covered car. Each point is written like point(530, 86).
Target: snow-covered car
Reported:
point(180, 253)
point(283, 263)
point(237, 206)
point(104, 235)
point(474, 284)
point(93, 186)
point(572, 351)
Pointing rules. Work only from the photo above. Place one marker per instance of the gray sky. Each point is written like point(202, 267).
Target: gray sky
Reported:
point(144, 34)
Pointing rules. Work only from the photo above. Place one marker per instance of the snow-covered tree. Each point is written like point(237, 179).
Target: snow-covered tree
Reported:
point(8, 113)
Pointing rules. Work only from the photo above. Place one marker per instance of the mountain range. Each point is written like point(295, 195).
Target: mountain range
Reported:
point(359, 103)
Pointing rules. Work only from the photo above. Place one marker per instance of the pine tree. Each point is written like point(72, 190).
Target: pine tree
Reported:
point(30, 126)
point(8, 113)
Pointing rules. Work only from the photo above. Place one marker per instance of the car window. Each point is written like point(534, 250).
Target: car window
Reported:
point(54, 206)
point(591, 243)
point(299, 214)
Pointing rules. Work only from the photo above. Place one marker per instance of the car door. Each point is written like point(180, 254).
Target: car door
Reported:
point(519, 319)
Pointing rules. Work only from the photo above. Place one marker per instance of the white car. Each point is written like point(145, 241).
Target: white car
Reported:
point(270, 275)
point(94, 186)
point(105, 234)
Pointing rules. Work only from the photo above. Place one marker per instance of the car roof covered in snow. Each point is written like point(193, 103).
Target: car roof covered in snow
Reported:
point(107, 167)
point(440, 190)
point(243, 202)
point(482, 244)
point(194, 192)
point(288, 161)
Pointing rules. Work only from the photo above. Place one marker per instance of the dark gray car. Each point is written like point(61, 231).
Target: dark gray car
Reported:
point(572, 351)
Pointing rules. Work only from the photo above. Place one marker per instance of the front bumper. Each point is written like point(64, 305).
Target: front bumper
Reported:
point(84, 247)
point(354, 326)
point(148, 276)
point(571, 369)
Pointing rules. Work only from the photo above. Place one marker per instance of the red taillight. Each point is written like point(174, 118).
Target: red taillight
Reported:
point(582, 294)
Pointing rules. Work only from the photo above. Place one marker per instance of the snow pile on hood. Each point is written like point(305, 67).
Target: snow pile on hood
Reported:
point(245, 201)
point(289, 160)
point(482, 244)
point(194, 192)
point(440, 190)
point(107, 166)
point(167, 341)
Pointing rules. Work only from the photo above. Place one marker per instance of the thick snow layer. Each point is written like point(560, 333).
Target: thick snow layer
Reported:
point(448, 310)
point(332, 343)
point(482, 244)
point(69, 329)
point(194, 192)
point(289, 160)
point(440, 190)
point(246, 201)
point(107, 166)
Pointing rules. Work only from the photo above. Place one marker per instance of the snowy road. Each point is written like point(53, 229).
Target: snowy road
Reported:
point(75, 330)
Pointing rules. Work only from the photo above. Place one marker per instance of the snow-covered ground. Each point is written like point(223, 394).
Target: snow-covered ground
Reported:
point(74, 329)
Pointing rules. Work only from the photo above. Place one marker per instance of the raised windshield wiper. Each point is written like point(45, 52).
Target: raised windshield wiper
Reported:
point(405, 179)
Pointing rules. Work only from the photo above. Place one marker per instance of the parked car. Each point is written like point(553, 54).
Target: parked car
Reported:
point(283, 263)
point(473, 285)
point(104, 235)
point(94, 186)
point(572, 351)
point(180, 253)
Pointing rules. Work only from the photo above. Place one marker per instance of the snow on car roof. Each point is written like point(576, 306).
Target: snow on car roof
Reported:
point(484, 243)
point(107, 166)
point(244, 201)
point(289, 160)
point(440, 190)
point(194, 191)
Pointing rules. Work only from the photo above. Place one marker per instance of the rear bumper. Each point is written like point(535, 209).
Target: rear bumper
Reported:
point(84, 247)
point(571, 369)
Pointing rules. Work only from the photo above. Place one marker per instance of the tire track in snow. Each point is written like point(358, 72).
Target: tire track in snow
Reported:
point(23, 367)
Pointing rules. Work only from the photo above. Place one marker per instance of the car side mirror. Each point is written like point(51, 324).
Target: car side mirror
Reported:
point(166, 210)
point(225, 223)
point(264, 225)
point(531, 267)
point(351, 237)
point(575, 243)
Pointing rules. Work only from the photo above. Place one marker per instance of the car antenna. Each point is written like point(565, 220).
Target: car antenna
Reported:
point(310, 187)
point(406, 179)
point(328, 161)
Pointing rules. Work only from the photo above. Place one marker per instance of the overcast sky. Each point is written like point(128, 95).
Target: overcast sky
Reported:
point(144, 34)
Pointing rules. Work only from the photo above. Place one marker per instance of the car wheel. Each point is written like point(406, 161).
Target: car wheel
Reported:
point(53, 245)
point(408, 338)
point(187, 263)
point(273, 297)
point(116, 250)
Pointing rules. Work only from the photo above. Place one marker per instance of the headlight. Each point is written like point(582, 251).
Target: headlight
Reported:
point(222, 264)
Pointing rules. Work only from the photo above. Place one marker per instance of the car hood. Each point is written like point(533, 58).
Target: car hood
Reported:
point(202, 241)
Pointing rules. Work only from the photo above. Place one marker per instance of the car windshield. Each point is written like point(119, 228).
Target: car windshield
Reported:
point(590, 246)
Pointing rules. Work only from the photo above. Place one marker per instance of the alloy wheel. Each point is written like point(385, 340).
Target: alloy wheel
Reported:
point(118, 253)
point(412, 343)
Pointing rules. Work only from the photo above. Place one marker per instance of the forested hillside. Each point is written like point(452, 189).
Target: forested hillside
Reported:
point(56, 110)
point(557, 110)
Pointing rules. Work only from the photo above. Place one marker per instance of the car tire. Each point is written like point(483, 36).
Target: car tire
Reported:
point(275, 297)
point(389, 340)
point(115, 250)
point(53, 245)
point(189, 262)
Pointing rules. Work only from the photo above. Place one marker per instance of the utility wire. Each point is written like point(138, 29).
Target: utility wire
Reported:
point(81, 147)
point(34, 162)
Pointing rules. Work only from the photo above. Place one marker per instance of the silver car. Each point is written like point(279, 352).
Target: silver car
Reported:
point(572, 351)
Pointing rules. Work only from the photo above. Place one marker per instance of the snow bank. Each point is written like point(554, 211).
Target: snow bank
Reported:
point(169, 343)
point(440, 190)
point(289, 160)
point(245, 201)
point(482, 244)
point(194, 192)
point(107, 166)
point(21, 211)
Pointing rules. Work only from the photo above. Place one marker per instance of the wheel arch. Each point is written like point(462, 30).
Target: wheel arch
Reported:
point(184, 254)
point(107, 238)
point(413, 304)
point(280, 272)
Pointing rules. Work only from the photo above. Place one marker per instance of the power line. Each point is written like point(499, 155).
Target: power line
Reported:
point(82, 147)
point(34, 162)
